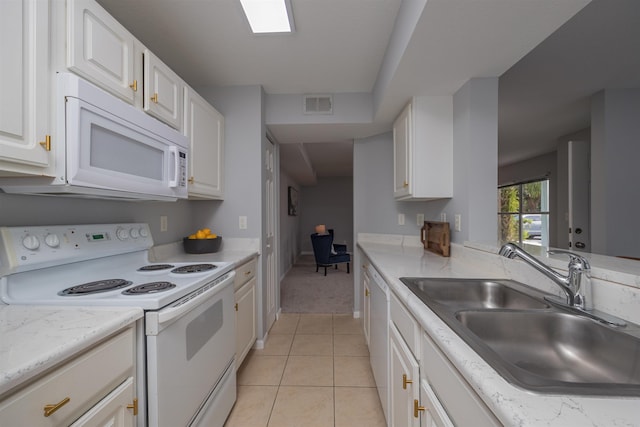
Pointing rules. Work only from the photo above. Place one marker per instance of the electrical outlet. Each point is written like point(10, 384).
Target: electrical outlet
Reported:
point(242, 222)
point(400, 219)
point(458, 225)
point(420, 220)
point(443, 217)
point(164, 223)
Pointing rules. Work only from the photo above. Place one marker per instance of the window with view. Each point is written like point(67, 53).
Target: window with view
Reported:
point(523, 213)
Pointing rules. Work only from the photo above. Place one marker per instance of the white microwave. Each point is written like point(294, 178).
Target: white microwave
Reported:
point(110, 150)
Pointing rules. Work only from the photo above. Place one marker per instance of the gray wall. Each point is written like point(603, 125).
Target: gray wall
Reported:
point(18, 210)
point(615, 198)
point(329, 202)
point(475, 161)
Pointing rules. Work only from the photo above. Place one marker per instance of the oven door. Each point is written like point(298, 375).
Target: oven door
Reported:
point(190, 344)
point(107, 151)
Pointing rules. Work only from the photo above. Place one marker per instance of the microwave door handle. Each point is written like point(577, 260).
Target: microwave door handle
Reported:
point(173, 151)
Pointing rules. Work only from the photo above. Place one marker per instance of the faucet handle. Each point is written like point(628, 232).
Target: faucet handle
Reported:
point(574, 259)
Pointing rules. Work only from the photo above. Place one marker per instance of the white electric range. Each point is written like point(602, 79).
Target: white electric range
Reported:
point(187, 340)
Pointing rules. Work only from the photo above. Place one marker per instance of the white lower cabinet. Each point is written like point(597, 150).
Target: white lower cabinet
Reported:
point(96, 388)
point(462, 405)
point(404, 387)
point(366, 292)
point(245, 305)
point(433, 414)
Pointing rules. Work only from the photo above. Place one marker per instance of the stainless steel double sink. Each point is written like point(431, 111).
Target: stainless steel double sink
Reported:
point(534, 345)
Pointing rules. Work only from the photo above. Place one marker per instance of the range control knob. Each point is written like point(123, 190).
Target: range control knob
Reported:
point(134, 233)
point(31, 242)
point(52, 240)
point(122, 234)
point(144, 232)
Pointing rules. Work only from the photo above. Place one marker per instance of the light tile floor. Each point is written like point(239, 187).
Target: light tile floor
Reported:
point(313, 371)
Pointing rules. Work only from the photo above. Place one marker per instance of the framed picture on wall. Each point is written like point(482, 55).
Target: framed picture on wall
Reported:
point(293, 201)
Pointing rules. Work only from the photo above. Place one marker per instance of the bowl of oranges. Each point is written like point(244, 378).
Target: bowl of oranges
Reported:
point(202, 241)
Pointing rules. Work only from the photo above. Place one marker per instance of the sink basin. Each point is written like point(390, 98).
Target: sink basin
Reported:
point(556, 351)
point(473, 293)
point(534, 345)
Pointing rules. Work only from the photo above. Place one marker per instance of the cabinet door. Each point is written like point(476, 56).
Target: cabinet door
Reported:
point(24, 86)
point(204, 126)
point(245, 320)
point(100, 49)
point(163, 91)
point(366, 280)
point(432, 414)
point(115, 410)
point(402, 153)
point(404, 385)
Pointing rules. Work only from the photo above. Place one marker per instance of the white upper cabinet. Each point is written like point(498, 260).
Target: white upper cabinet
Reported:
point(101, 50)
point(423, 149)
point(163, 91)
point(204, 126)
point(24, 87)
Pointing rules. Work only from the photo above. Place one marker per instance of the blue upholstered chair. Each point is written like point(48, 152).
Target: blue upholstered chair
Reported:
point(322, 250)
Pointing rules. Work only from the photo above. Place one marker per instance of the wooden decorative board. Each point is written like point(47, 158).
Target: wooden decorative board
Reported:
point(436, 237)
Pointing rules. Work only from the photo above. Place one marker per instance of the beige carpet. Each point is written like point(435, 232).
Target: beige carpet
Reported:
point(304, 291)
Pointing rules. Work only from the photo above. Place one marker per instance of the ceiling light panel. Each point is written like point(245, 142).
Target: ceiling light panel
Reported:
point(268, 16)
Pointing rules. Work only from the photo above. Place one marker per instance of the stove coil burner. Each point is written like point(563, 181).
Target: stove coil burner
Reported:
point(155, 267)
point(95, 287)
point(193, 268)
point(149, 288)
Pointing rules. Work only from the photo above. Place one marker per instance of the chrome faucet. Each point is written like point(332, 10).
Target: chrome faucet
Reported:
point(576, 285)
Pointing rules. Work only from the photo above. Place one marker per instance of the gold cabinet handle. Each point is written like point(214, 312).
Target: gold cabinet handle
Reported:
point(134, 406)
point(417, 408)
point(191, 180)
point(366, 294)
point(46, 144)
point(154, 98)
point(236, 306)
point(50, 409)
point(405, 184)
point(405, 381)
point(134, 85)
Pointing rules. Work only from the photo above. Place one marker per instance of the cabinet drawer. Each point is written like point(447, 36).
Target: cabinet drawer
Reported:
point(85, 380)
point(458, 398)
point(244, 273)
point(406, 324)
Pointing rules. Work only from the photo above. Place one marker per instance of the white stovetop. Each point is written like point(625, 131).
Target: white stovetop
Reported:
point(35, 338)
point(511, 405)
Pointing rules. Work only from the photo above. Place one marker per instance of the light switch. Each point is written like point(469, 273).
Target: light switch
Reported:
point(400, 219)
point(242, 222)
point(164, 223)
point(420, 219)
point(458, 225)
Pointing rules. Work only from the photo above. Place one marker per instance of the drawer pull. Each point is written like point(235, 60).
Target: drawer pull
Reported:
point(236, 306)
point(246, 273)
point(366, 292)
point(417, 408)
point(46, 144)
point(154, 98)
point(405, 381)
point(134, 406)
point(134, 85)
point(50, 409)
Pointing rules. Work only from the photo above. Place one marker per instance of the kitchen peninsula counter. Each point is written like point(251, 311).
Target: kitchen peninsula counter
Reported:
point(34, 339)
point(511, 405)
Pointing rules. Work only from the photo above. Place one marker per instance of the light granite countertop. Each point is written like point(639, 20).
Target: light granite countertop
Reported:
point(34, 339)
point(511, 405)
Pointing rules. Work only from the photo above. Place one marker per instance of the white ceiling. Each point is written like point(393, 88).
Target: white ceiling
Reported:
point(392, 49)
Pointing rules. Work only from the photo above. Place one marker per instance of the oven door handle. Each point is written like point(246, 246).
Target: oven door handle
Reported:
point(158, 320)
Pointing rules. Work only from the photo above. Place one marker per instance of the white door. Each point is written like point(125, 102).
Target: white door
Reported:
point(271, 212)
point(163, 91)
